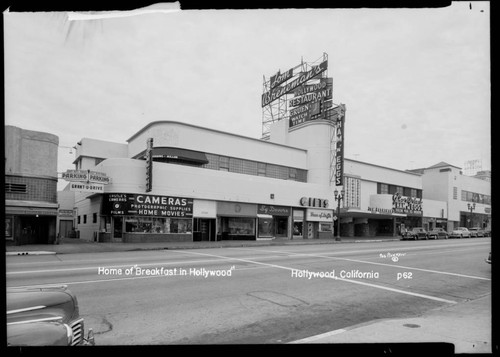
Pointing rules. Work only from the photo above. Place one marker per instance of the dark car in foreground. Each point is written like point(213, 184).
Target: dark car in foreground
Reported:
point(44, 316)
point(415, 234)
point(438, 233)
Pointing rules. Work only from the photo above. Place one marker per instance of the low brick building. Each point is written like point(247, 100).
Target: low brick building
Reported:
point(30, 186)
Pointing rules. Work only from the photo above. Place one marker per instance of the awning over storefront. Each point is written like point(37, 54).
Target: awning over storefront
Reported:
point(167, 154)
point(357, 213)
point(31, 208)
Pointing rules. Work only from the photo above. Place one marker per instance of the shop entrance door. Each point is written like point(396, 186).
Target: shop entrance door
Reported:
point(117, 228)
point(207, 229)
point(65, 228)
point(204, 229)
point(281, 227)
point(34, 230)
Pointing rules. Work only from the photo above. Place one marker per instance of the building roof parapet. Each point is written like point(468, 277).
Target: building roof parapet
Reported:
point(384, 167)
point(212, 130)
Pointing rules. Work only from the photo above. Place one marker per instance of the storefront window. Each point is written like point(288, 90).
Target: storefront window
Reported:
point(383, 188)
point(239, 226)
point(105, 224)
point(326, 227)
point(265, 227)
point(158, 225)
point(9, 221)
point(297, 228)
point(117, 227)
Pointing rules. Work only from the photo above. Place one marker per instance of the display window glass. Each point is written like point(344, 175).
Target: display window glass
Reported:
point(239, 225)
point(266, 227)
point(158, 225)
point(326, 227)
point(297, 228)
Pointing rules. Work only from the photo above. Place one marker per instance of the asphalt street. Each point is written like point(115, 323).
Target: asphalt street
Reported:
point(263, 294)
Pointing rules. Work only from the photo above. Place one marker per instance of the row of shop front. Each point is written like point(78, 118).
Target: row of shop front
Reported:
point(146, 218)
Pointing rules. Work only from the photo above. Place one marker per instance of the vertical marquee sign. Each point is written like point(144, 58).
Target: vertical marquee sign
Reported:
point(339, 150)
point(149, 165)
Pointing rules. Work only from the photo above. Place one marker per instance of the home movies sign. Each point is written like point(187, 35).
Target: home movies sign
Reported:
point(86, 180)
point(128, 204)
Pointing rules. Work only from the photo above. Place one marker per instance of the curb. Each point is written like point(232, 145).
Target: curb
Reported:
point(67, 249)
point(30, 253)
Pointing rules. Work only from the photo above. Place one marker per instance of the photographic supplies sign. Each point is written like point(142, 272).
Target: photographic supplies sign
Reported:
point(146, 205)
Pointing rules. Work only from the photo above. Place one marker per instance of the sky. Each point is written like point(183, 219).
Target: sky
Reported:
point(415, 82)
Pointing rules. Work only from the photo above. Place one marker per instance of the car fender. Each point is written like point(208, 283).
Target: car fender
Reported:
point(39, 333)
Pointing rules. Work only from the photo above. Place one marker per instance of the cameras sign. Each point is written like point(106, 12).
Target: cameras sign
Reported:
point(125, 204)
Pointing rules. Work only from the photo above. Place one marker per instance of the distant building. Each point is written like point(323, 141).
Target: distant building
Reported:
point(30, 186)
point(65, 217)
point(468, 198)
point(484, 175)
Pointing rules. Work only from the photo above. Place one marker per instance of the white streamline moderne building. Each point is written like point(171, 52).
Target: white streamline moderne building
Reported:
point(206, 184)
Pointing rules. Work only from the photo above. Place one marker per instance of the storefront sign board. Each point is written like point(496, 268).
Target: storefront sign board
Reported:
point(85, 176)
point(319, 215)
point(128, 204)
point(86, 187)
point(273, 210)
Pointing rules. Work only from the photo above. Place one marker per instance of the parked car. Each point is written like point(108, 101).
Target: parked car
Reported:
point(438, 233)
point(476, 232)
point(416, 233)
point(487, 232)
point(460, 232)
point(44, 316)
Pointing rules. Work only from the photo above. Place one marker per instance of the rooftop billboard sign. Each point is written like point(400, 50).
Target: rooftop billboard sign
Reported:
point(301, 79)
point(279, 78)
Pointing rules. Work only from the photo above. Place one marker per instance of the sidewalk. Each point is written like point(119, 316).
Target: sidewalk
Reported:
point(465, 325)
point(69, 245)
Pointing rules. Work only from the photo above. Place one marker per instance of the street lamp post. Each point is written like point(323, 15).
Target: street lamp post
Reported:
point(471, 208)
point(338, 197)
